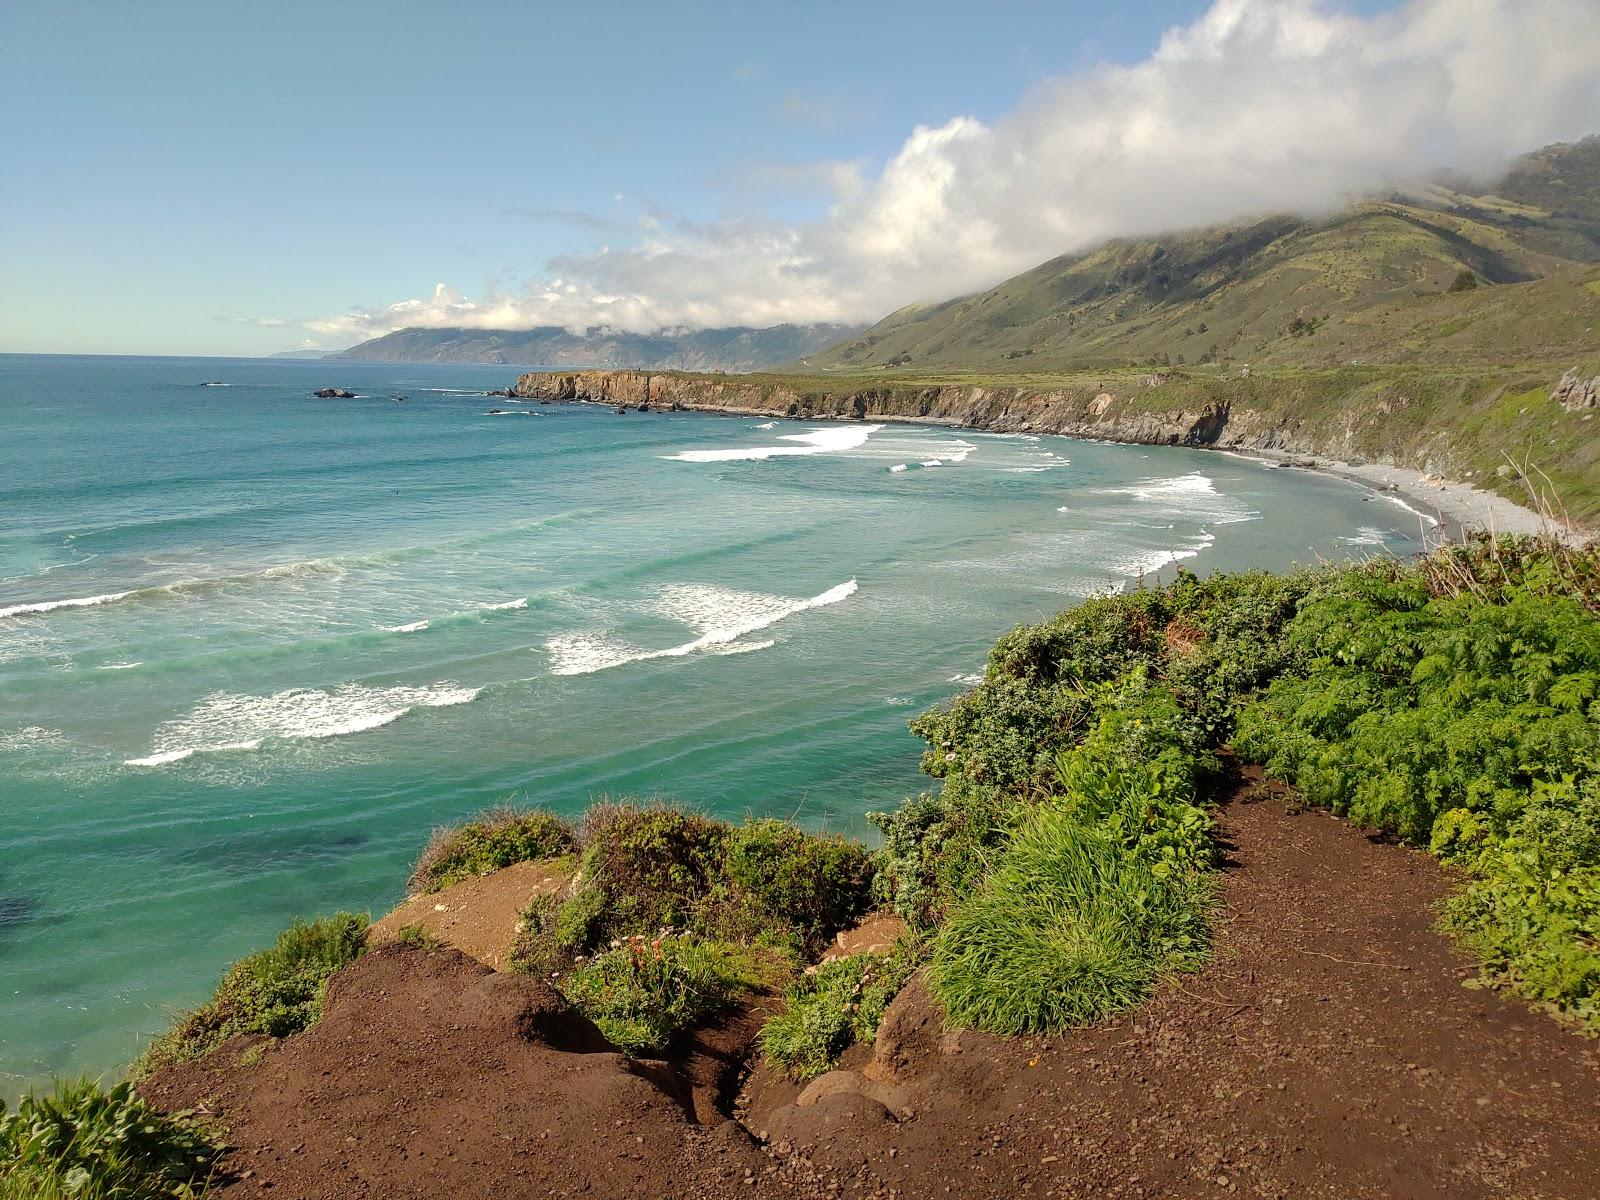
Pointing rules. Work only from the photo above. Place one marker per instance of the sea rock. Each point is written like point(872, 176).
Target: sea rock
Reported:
point(1576, 393)
point(333, 393)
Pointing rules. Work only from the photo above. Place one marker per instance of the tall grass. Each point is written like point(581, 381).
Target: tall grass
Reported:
point(1070, 927)
point(80, 1142)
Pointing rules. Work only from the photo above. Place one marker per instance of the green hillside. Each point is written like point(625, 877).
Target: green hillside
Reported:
point(1446, 277)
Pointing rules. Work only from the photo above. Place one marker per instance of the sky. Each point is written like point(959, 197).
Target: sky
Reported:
point(219, 178)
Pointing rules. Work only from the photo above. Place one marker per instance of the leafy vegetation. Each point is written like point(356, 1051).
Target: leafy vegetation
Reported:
point(1456, 703)
point(1452, 701)
point(81, 1142)
point(832, 1007)
point(276, 991)
point(643, 992)
point(495, 839)
point(672, 913)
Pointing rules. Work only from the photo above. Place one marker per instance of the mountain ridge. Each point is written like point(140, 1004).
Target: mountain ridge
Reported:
point(734, 348)
point(1393, 279)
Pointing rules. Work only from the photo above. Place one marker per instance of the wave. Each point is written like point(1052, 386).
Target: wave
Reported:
point(1193, 495)
point(768, 425)
point(818, 441)
point(1148, 562)
point(519, 602)
point(44, 606)
point(225, 722)
point(1389, 496)
point(722, 616)
point(413, 627)
point(1365, 535)
point(967, 680)
point(897, 468)
point(123, 666)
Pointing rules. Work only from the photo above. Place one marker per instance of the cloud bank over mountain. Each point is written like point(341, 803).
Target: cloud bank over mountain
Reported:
point(1256, 106)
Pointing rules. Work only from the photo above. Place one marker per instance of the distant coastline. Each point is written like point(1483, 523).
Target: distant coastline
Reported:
point(1455, 506)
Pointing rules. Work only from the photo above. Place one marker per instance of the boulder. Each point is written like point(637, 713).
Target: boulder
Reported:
point(333, 393)
point(1574, 393)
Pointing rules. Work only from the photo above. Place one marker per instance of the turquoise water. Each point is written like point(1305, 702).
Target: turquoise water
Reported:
point(254, 646)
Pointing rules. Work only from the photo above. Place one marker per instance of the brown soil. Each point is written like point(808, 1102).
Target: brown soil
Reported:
point(1330, 1050)
point(477, 916)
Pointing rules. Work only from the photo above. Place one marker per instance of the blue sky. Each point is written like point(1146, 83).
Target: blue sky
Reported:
point(176, 174)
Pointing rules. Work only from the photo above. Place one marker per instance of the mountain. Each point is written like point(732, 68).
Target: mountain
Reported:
point(303, 354)
point(1445, 275)
point(735, 349)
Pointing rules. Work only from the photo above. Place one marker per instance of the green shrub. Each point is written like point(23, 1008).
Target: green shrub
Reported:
point(85, 1143)
point(646, 990)
point(1070, 927)
point(836, 1005)
point(936, 848)
point(645, 868)
point(813, 885)
point(495, 839)
point(276, 991)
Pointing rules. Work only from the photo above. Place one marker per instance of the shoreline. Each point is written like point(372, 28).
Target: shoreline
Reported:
point(1456, 508)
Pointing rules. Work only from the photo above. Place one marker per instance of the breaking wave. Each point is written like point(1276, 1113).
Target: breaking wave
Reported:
point(819, 441)
point(721, 615)
point(227, 722)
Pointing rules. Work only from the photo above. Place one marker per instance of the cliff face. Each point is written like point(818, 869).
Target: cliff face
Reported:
point(1460, 425)
point(1075, 412)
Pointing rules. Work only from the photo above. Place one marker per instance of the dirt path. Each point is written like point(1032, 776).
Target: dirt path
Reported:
point(1330, 1050)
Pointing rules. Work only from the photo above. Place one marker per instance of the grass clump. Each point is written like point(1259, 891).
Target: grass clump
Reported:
point(1100, 891)
point(276, 991)
point(494, 839)
point(643, 992)
point(833, 1007)
point(82, 1142)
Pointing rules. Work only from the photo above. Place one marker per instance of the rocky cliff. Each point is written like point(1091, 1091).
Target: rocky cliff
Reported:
point(1461, 425)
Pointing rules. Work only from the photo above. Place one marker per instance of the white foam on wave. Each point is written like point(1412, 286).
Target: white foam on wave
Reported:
point(767, 425)
point(1148, 562)
point(44, 606)
point(721, 615)
point(413, 627)
point(833, 440)
point(122, 666)
point(932, 462)
point(1193, 495)
point(1389, 496)
point(520, 602)
point(227, 722)
point(30, 737)
point(897, 468)
point(967, 680)
point(1366, 535)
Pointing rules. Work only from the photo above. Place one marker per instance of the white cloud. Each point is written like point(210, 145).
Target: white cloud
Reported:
point(1256, 106)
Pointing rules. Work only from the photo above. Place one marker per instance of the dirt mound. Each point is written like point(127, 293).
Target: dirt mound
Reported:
point(1329, 1050)
point(477, 916)
point(430, 1076)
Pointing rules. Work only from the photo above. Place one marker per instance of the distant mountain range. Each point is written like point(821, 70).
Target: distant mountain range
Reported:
point(736, 349)
point(1445, 276)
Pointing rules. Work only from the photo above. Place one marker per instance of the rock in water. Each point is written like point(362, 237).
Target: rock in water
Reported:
point(333, 393)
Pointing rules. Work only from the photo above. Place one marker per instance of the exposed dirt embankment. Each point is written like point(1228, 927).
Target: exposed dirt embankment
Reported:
point(1329, 1050)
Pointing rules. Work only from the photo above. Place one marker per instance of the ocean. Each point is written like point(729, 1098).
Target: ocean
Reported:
point(254, 645)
